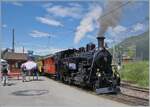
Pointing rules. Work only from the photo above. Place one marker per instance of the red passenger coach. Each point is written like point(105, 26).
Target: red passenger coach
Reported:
point(49, 65)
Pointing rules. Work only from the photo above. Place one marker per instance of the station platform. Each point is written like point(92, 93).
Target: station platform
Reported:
point(46, 92)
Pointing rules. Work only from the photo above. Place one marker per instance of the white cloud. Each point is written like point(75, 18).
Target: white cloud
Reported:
point(109, 40)
point(91, 37)
point(120, 32)
point(61, 11)
point(46, 5)
point(17, 4)
point(124, 32)
point(4, 26)
point(36, 33)
point(75, 5)
point(38, 50)
point(49, 21)
point(116, 34)
point(19, 49)
point(138, 27)
point(46, 51)
point(119, 29)
point(87, 24)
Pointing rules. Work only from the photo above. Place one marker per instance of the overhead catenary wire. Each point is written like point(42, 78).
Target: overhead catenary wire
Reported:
point(113, 10)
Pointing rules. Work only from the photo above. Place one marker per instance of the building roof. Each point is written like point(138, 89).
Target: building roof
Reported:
point(15, 56)
point(48, 56)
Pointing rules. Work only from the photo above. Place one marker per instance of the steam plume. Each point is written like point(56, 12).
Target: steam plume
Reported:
point(87, 23)
point(111, 16)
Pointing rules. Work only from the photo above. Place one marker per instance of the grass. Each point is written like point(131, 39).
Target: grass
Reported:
point(136, 72)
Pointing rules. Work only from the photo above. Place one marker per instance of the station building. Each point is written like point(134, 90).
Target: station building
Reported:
point(14, 59)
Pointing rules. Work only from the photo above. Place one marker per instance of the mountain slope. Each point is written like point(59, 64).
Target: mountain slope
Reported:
point(134, 40)
point(137, 45)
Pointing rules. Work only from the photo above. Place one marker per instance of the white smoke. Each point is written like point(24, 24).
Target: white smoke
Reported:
point(87, 24)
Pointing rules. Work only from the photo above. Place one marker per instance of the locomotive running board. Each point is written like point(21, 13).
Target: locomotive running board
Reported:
point(105, 90)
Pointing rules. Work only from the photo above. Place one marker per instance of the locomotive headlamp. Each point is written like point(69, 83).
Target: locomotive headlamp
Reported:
point(98, 74)
point(118, 75)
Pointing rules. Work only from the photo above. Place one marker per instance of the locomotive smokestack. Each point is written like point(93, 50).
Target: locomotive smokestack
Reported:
point(100, 42)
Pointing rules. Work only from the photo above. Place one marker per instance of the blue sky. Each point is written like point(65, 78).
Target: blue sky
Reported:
point(50, 26)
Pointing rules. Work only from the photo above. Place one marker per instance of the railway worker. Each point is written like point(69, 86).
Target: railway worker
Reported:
point(23, 72)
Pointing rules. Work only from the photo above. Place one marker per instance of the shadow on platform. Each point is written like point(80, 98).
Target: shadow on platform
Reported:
point(37, 80)
point(30, 92)
point(27, 80)
point(10, 84)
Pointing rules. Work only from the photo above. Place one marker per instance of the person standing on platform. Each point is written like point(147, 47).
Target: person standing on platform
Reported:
point(30, 66)
point(4, 72)
point(35, 72)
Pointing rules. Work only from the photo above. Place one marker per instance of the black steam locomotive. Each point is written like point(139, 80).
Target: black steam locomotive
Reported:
point(88, 67)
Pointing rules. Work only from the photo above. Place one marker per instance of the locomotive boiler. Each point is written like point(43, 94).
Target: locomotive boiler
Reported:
point(88, 67)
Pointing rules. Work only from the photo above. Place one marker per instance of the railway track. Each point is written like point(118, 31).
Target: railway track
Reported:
point(132, 90)
point(127, 99)
point(132, 95)
point(134, 87)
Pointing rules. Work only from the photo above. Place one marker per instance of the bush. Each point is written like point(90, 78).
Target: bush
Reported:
point(136, 72)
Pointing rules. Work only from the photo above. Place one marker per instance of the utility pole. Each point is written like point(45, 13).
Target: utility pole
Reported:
point(114, 52)
point(13, 41)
